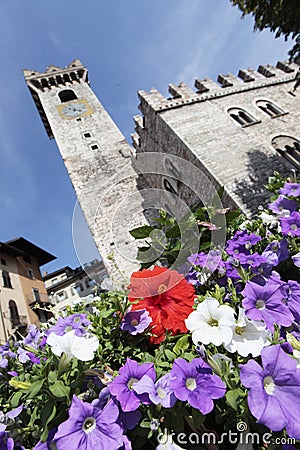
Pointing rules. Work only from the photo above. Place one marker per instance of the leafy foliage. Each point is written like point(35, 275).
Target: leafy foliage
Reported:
point(281, 16)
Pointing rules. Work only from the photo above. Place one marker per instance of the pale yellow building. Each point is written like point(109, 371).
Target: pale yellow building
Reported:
point(23, 296)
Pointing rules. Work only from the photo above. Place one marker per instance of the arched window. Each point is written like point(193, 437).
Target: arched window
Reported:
point(14, 313)
point(67, 95)
point(241, 116)
point(6, 279)
point(289, 148)
point(269, 108)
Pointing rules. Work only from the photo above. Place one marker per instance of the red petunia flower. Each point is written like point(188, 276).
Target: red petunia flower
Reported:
point(166, 295)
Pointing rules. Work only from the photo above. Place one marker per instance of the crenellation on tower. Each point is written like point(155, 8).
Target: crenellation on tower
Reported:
point(229, 130)
point(287, 66)
point(247, 75)
point(228, 80)
point(267, 71)
point(181, 91)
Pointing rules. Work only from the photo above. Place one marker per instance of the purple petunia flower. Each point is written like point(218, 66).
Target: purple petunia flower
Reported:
point(241, 242)
point(293, 298)
point(282, 203)
point(195, 383)
point(22, 355)
point(136, 322)
point(276, 252)
point(32, 337)
point(122, 385)
point(76, 322)
point(89, 427)
point(290, 225)
point(273, 397)
point(159, 392)
point(290, 189)
point(6, 442)
point(296, 259)
point(266, 302)
point(257, 263)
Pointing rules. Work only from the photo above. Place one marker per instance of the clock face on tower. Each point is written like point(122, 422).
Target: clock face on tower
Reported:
point(75, 108)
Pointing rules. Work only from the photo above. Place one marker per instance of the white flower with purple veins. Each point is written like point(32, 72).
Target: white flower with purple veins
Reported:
point(211, 323)
point(249, 336)
point(80, 347)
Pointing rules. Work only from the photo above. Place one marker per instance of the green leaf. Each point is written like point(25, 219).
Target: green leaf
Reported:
point(170, 355)
point(141, 232)
point(48, 412)
point(232, 398)
point(59, 389)
point(15, 400)
point(173, 232)
point(35, 388)
point(181, 345)
point(52, 376)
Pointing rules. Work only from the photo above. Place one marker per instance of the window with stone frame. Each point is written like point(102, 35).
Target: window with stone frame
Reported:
point(14, 313)
point(289, 148)
point(269, 108)
point(241, 116)
point(6, 281)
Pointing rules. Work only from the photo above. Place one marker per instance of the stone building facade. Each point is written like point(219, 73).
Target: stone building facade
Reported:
point(235, 133)
point(97, 158)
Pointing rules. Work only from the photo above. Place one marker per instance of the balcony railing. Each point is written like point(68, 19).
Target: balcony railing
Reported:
point(19, 321)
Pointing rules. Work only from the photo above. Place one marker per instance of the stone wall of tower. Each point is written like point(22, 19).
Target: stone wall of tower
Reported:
point(103, 177)
point(198, 127)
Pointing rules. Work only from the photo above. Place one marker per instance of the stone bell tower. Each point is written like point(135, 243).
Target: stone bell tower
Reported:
point(97, 158)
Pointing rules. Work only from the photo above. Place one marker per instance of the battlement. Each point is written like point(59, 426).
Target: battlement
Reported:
point(75, 72)
point(226, 84)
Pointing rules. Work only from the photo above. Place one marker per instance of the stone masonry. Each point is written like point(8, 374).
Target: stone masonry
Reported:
point(198, 127)
point(97, 158)
point(236, 133)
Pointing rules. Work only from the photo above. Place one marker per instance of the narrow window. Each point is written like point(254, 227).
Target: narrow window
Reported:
point(79, 287)
point(36, 295)
point(54, 281)
point(241, 116)
point(67, 95)
point(30, 274)
point(87, 135)
point(61, 295)
point(269, 108)
point(289, 148)
point(94, 147)
point(14, 313)
point(6, 279)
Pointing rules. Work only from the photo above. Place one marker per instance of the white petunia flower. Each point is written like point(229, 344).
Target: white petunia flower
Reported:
point(249, 336)
point(73, 346)
point(211, 323)
point(269, 219)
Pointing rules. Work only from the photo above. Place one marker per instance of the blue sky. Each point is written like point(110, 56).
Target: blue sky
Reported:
point(126, 46)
